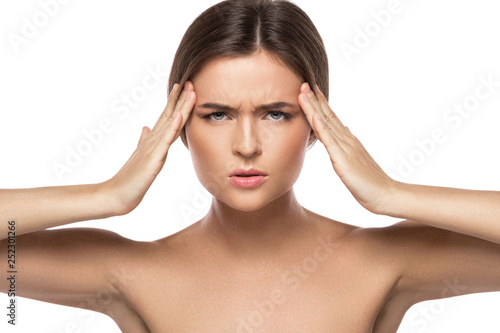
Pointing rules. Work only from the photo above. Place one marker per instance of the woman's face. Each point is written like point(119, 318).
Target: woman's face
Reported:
point(234, 125)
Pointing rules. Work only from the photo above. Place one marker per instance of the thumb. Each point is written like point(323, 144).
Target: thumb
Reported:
point(144, 134)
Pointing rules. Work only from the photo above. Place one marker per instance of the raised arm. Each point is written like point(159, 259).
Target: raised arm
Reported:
point(35, 209)
point(82, 267)
point(474, 213)
point(470, 212)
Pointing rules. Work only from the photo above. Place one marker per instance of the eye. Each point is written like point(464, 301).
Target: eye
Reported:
point(279, 115)
point(216, 116)
point(276, 116)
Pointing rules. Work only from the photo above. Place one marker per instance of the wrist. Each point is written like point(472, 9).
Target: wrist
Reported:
point(106, 199)
point(392, 200)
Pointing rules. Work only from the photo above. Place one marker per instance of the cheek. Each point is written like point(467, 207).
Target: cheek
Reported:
point(205, 147)
point(200, 145)
point(290, 153)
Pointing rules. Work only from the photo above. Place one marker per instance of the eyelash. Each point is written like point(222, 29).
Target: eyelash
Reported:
point(286, 116)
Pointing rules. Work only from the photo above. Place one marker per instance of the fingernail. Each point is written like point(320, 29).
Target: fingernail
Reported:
point(308, 88)
point(306, 97)
point(188, 96)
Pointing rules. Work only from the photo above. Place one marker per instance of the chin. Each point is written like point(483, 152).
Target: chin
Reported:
point(245, 203)
point(252, 200)
point(244, 200)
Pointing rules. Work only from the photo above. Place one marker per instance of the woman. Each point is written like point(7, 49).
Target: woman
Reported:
point(258, 261)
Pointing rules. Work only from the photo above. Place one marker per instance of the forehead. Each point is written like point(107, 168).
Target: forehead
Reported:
point(252, 79)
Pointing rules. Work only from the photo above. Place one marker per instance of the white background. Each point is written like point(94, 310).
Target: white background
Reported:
point(66, 78)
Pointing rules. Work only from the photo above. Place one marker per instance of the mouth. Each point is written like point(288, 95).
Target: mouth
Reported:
point(247, 181)
point(247, 178)
point(247, 173)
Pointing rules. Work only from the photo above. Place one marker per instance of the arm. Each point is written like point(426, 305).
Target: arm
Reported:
point(475, 213)
point(432, 262)
point(40, 208)
point(36, 209)
point(470, 212)
point(84, 267)
point(73, 267)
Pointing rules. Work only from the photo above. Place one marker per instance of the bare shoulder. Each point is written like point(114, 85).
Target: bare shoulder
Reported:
point(77, 243)
point(403, 244)
point(330, 226)
point(71, 266)
point(434, 263)
point(97, 247)
point(372, 239)
point(398, 239)
point(87, 247)
point(140, 259)
point(373, 260)
point(374, 247)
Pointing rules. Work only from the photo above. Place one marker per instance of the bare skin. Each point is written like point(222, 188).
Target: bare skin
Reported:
point(337, 278)
point(258, 261)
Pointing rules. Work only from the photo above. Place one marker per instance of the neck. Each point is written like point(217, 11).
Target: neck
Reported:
point(264, 231)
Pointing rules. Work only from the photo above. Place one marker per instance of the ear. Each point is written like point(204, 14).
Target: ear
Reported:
point(184, 138)
point(312, 138)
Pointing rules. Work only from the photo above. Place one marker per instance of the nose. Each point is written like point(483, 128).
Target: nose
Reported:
point(246, 140)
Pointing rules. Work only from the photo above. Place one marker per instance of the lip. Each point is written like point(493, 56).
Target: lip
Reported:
point(249, 172)
point(247, 182)
point(253, 177)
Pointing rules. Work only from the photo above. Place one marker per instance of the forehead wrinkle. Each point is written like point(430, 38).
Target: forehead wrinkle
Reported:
point(245, 83)
point(262, 99)
point(262, 107)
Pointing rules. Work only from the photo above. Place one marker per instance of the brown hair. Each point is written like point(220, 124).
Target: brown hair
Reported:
point(243, 27)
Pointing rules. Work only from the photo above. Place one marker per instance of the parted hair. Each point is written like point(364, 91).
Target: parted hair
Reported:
point(243, 27)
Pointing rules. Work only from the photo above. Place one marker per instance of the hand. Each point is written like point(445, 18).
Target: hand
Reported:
point(364, 178)
point(127, 188)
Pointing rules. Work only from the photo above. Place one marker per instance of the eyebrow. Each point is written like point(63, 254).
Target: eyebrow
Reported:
point(272, 106)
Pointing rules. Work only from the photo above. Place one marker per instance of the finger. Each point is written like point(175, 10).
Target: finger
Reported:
point(188, 102)
point(171, 133)
point(315, 116)
point(306, 89)
point(188, 87)
point(331, 117)
point(331, 143)
point(306, 104)
point(310, 110)
point(366, 153)
point(166, 116)
point(145, 132)
point(173, 129)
